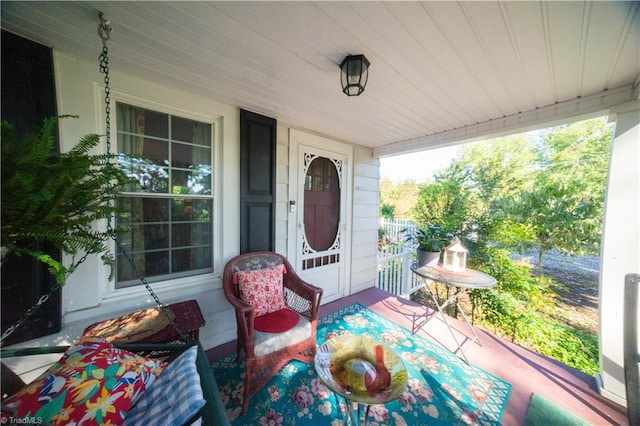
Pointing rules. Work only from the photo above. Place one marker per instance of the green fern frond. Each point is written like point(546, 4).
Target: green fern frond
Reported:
point(57, 197)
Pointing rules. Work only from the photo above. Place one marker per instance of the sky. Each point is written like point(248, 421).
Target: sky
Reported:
point(419, 166)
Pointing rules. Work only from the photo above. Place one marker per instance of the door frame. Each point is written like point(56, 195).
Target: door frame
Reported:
point(317, 142)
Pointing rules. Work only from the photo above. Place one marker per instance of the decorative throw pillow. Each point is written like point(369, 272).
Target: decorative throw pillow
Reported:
point(174, 398)
point(277, 322)
point(262, 288)
point(93, 383)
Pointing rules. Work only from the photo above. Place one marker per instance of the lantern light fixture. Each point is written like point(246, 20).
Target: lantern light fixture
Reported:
point(354, 73)
point(455, 256)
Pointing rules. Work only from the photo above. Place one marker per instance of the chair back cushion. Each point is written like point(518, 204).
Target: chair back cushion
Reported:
point(255, 260)
point(263, 288)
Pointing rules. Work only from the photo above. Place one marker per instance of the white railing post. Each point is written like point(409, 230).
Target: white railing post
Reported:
point(394, 261)
point(405, 289)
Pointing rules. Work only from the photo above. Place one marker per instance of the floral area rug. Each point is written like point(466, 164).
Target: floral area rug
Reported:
point(441, 388)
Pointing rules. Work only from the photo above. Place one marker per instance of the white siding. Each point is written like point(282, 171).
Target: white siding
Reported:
point(88, 296)
point(365, 219)
point(282, 190)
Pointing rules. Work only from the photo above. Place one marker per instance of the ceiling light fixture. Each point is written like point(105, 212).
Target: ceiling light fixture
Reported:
point(354, 73)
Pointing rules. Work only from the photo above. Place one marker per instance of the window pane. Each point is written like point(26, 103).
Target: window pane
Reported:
point(130, 119)
point(128, 267)
point(147, 177)
point(155, 209)
point(157, 263)
point(156, 236)
point(150, 265)
point(191, 234)
point(322, 205)
point(192, 181)
point(156, 124)
point(156, 151)
point(189, 156)
point(141, 121)
point(186, 130)
point(166, 235)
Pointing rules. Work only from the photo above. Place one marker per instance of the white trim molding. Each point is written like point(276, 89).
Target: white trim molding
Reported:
point(548, 116)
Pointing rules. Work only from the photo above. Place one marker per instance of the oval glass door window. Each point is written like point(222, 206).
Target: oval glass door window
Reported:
point(321, 204)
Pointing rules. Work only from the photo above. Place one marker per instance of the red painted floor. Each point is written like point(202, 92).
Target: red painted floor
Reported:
point(527, 371)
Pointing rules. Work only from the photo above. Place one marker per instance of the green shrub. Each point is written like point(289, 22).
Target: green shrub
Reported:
point(520, 308)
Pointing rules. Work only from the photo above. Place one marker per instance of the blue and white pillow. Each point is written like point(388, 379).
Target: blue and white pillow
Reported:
point(175, 397)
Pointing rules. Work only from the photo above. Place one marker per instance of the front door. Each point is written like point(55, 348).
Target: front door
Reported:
point(321, 219)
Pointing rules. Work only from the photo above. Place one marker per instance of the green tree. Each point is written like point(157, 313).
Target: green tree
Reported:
point(494, 170)
point(489, 173)
point(564, 207)
point(441, 203)
point(402, 196)
point(542, 190)
point(387, 211)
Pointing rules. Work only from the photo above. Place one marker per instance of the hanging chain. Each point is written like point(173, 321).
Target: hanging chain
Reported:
point(29, 312)
point(41, 301)
point(104, 30)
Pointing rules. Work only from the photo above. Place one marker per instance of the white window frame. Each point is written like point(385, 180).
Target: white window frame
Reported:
point(181, 284)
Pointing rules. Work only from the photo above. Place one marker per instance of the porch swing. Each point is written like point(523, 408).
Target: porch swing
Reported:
point(167, 332)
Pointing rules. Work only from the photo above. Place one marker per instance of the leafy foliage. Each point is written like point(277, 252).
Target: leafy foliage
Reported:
point(387, 211)
point(443, 203)
point(401, 196)
point(56, 197)
point(564, 206)
point(539, 191)
point(429, 238)
point(568, 345)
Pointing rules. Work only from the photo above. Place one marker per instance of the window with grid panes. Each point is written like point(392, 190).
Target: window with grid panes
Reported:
point(167, 213)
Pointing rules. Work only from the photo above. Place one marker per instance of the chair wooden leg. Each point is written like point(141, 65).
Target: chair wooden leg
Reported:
point(245, 395)
point(238, 349)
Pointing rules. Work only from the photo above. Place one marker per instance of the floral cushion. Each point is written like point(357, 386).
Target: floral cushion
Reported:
point(174, 398)
point(262, 288)
point(93, 383)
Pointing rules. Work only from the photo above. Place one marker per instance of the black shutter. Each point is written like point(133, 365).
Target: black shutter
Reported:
point(28, 97)
point(257, 182)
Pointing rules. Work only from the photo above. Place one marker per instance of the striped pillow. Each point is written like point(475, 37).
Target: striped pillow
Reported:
point(175, 397)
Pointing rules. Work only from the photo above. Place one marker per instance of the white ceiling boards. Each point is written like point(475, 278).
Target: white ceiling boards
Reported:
point(440, 72)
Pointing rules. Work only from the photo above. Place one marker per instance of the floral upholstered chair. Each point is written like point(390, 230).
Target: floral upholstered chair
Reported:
point(276, 314)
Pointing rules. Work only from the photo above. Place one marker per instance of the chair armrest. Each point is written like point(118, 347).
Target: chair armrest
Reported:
point(302, 296)
point(245, 314)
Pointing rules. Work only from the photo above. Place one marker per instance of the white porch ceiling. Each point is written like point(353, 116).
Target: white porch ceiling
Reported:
point(441, 72)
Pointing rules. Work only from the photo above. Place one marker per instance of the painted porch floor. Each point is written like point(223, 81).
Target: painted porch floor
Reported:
point(527, 371)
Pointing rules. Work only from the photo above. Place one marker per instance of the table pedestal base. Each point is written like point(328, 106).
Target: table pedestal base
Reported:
point(354, 411)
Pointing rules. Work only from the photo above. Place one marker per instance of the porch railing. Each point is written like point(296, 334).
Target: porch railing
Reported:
point(395, 258)
point(395, 229)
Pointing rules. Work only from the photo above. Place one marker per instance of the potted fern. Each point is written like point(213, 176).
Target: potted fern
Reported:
point(56, 197)
point(429, 241)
